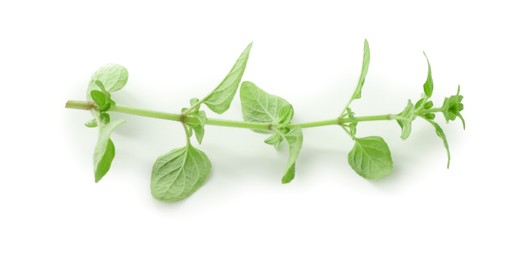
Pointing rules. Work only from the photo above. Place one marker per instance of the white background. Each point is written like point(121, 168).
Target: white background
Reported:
point(308, 53)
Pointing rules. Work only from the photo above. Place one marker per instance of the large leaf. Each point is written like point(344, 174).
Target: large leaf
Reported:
point(179, 173)
point(219, 100)
point(429, 83)
point(104, 150)
point(294, 140)
point(262, 107)
point(112, 76)
point(364, 71)
point(371, 158)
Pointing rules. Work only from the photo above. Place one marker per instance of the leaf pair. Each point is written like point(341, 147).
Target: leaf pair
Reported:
point(451, 108)
point(259, 106)
point(107, 79)
point(179, 173)
point(370, 156)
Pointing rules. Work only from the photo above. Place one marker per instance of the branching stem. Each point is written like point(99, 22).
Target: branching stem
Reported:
point(86, 105)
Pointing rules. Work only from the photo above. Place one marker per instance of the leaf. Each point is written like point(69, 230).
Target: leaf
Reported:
point(364, 71)
point(104, 150)
point(452, 107)
point(429, 83)
point(294, 140)
point(274, 140)
point(105, 118)
point(405, 118)
point(112, 76)
point(285, 114)
point(199, 130)
point(352, 125)
point(441, 135)
point(259, 106)
point(100, 99)
point(179, 173)
point(91, 124)
point(199, 126)
point(420, 102)
point(219, 100)
point(371, 158)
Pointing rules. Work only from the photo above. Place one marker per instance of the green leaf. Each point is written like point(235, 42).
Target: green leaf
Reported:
point(430, 116)
point(294, 140)
point(274, 140)
point(105, 118)
point(259, 106)
point(429, 83)
point(91, 124)
point(219, 100)
point(352, 125)
point(112, 76)
point(420, 103)
point(364, 71)
point(99, 98)
point(104, 150)
point(441, 135)
point(429, 104)
point(179, 173)
point(405, 118)
point(285, 114)
point(199, 130)
point(199, 126)
point(371, 158)
point(452, 107)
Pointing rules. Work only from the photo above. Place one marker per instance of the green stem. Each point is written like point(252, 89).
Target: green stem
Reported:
point(238, 124)
point(146, 113)
point(432, 110)
point(85, 105)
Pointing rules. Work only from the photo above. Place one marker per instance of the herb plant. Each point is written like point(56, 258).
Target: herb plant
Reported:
point(180, 172)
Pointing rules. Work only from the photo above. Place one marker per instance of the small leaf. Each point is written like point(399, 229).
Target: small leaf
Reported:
point(202, 117)
point(199, 130)
point(429, 104)
point(452, 107)
point(91, 124)
point(371, 158)
point(405, 118)
point(441, 135)
point(274, 140)
point(112, 76)
point(429, 83)
point(420, 103)
point(194, 101)
point(285, 114)
point(99, 98)
point(104, 150)
point(100, 85)
point(352, 125)
point(430, 116)
point(197, 127)
point(294, 140)
point(219, 100)
point(364, 71)
point(105, 118)
point(260, 106)
point(179, 173)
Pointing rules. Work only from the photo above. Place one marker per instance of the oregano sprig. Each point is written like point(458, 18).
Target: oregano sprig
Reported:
point(181, 171)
